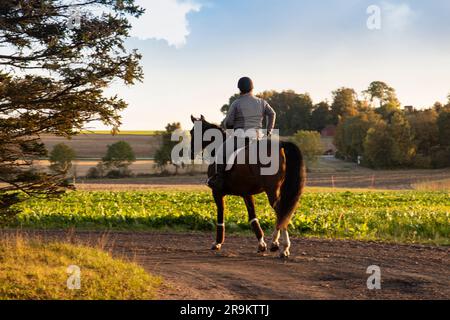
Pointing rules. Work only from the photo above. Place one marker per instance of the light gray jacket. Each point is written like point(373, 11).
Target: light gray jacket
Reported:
point(248, 112)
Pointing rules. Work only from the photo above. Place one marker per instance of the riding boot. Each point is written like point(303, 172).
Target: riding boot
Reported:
point(217, 182)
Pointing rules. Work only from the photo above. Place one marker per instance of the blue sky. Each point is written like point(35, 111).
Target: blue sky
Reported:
point(195, 51)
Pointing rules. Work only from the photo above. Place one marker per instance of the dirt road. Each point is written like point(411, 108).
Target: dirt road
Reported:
point(318, 269)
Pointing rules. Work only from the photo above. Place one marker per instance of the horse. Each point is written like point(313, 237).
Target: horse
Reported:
point(283, 190)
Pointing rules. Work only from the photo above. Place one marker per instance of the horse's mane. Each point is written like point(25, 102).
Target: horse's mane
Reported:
point(213, 126)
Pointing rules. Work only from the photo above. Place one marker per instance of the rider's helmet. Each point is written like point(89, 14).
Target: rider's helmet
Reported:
point(245, 84)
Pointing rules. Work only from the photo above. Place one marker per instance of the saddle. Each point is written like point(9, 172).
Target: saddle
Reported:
point(231, 161)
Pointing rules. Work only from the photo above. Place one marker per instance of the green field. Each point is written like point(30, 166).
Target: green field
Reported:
point(407, 216)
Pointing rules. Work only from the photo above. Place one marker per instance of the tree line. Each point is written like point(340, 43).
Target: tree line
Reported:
point(371, 128)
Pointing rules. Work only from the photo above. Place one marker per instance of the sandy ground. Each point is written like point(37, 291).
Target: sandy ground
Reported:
point(318, 269)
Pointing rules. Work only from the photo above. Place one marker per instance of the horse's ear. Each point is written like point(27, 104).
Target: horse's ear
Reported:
point(193, 119)
point(202, 117)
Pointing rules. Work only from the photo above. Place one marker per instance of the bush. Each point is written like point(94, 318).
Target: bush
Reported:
point(440, 157)
point(117, 174)
point(93, 173)
point(422, 162)
point(310, 144)
point(96, 172)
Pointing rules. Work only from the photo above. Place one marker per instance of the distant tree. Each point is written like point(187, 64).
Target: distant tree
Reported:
point(293, 109)
point(163, 156)
point(425, 130)
point(380, 91)
point(443, 123)
point(403, 147)
point(378, 146)
point(351, 134)
point(53, 78)
point(227, 106)
point(438, 106)
point(61, 158)
point(345, 104)
point(386, 96)
point(310, 143)
point(118, 158)
point(321, 116)
point(389, 144)
point(441, 154)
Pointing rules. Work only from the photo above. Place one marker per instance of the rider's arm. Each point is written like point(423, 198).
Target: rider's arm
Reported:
point(228, 123)
point(271, 116)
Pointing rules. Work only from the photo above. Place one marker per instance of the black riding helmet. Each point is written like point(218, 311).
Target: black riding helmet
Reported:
point(245, 84)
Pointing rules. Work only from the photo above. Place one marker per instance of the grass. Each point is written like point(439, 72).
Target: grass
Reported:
point(325, 165)
point(31, 270)
point(440, 185)
point(407, 216)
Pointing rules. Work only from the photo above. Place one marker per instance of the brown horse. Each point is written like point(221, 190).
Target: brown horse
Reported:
point(283, 190)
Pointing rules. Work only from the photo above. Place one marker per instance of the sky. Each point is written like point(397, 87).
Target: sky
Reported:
point(195, 51)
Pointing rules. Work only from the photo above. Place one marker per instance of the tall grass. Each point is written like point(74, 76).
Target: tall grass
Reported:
point(439, 185)
point(30, 269)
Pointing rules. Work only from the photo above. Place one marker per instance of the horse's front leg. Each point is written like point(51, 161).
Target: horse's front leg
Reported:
point(275, 241)
point(250, 204)
point(285, 244)
point(220, 229)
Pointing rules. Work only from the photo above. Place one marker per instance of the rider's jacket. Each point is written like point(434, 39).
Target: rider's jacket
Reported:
point(249, 112)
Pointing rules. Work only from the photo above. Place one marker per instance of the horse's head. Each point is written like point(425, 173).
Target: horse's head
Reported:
point(200, 127)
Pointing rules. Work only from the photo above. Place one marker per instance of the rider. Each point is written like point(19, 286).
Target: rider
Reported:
point(247, 113)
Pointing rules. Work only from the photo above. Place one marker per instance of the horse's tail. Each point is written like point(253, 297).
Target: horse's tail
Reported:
point(293, 184)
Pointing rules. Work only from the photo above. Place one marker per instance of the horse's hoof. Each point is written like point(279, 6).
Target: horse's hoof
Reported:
point(216, 247)
point(262, 248)
point(274, 247)
point(284, 255)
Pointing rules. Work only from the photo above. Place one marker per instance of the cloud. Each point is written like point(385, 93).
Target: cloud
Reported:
point(165, 20)
point(397, 16)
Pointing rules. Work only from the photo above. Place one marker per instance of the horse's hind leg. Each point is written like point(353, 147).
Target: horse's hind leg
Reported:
point(280, 237)
point(273, 199)
point(250, 204)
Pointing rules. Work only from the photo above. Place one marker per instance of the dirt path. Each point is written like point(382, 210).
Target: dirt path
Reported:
point(318, 269)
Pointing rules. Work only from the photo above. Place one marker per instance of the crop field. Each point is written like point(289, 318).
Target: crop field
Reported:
point(399, 216)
